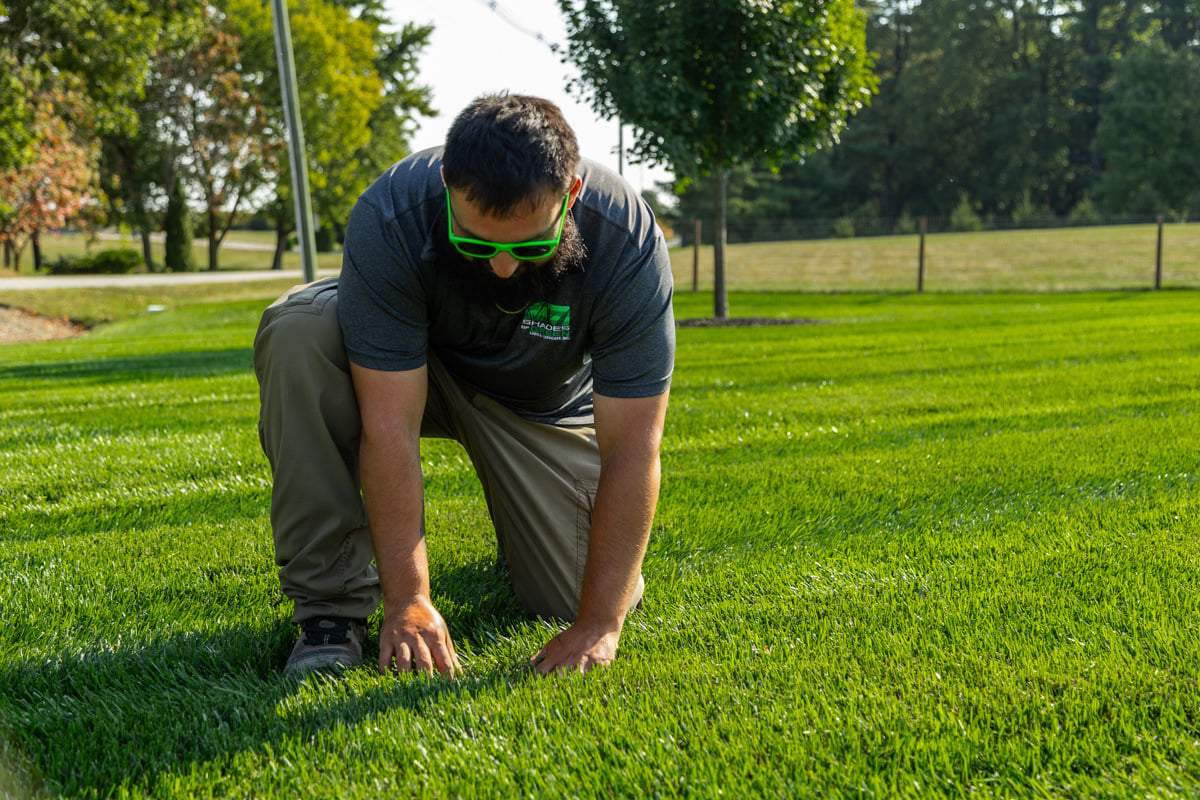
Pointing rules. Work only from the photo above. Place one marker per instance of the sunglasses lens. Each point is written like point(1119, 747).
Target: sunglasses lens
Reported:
point(475, 250)
point(532, 251)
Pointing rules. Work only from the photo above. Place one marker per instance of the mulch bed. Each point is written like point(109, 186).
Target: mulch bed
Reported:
point(17, 325)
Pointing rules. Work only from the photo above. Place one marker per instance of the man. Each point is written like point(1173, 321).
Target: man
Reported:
point(500, 292)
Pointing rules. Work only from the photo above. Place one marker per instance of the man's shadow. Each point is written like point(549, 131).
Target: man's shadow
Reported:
point(88, 720)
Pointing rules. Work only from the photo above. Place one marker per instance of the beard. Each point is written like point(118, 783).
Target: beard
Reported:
point(473, 278)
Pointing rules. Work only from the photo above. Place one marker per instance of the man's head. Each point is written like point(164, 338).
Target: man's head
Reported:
point(510, 166)
point(508, 151)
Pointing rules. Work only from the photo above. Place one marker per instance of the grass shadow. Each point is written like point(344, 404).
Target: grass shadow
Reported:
point(191, 364)
point(90, 720)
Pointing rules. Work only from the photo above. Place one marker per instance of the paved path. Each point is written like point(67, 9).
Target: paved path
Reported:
point(149, 279)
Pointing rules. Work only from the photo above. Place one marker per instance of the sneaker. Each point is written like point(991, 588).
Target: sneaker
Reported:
point(327, 644)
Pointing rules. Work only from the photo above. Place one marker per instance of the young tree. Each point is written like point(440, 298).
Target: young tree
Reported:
point(709, 84)
point(218, 126)
point(138, 166)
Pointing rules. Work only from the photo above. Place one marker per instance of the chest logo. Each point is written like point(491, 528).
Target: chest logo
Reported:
point(547, 321)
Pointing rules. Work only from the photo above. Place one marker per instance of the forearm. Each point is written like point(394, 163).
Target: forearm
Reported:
point(390, 469)
point(621, 520)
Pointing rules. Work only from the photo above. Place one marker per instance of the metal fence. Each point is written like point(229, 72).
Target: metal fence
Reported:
point(1036, 254)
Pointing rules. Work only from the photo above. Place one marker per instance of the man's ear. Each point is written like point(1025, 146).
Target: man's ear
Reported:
point(573, 192)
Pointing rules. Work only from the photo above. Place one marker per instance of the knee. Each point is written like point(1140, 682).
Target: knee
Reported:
point(293, 342)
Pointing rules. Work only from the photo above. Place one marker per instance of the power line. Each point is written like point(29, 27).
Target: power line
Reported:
point(494, 6)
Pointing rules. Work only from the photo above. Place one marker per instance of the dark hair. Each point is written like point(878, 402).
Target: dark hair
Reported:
point(504, 150)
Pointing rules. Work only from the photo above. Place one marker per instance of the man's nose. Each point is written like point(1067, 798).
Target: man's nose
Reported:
point(503, 265)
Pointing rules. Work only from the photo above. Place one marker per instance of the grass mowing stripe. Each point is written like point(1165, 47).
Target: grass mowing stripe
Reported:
point(970, 570)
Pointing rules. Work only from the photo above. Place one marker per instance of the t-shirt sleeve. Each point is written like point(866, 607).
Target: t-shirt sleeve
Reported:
point(633, 332)
point(381, 299)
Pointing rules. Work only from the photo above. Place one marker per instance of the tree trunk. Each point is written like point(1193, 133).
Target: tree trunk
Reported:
point(281, 235)
point(213, 241)
point(720, 181)
point(147, 253)
point(35, 239)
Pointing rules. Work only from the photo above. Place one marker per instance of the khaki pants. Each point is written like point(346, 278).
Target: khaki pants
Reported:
point(539, 480)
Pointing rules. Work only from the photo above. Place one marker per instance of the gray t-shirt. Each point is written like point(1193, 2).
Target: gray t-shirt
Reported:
point(607, 327)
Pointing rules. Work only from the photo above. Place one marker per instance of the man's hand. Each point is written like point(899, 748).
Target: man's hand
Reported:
point(578, 649)
point(415, 638)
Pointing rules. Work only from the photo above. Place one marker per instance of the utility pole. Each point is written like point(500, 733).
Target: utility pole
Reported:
point(291, 112)
point(620, 147)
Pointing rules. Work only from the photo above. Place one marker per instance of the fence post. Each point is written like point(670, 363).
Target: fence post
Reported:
point(696, 259)
point(921, 256)
point(1158, 256)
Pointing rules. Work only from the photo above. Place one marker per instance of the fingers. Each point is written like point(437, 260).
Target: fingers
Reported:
point(422, 654)
point(576, 649)
point(558, 661)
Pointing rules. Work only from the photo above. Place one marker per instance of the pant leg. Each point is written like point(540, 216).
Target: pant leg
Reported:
point(540, 483)
point(539, 480)
point(309, 427)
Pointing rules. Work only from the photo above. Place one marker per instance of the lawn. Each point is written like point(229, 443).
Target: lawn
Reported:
point(935, 545)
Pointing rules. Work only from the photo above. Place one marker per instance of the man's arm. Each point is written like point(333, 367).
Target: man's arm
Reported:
point(629, 433)
point(413, 634)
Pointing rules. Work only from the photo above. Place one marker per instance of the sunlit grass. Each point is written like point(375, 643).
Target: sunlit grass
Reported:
point(938, 545)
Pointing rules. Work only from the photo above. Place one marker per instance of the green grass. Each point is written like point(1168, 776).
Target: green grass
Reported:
point(939, 545)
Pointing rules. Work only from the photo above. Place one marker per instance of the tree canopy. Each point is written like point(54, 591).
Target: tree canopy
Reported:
point(1150, 130)
point(1020, 106)
point(184, 91)
point(708, 84)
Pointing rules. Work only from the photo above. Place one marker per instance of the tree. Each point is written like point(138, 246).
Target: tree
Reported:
point(358, 93)
point(69, 70)
point(218, 126)
point(99, 50)
point(709, 84)
point(16, 138)
point(53, 187)
point(139, 167)
point(1150, 130)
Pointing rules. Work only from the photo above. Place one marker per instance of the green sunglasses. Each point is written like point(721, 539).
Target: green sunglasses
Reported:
point(522, 251)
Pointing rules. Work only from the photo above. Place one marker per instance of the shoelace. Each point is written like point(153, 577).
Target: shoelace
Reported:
point(326, 631)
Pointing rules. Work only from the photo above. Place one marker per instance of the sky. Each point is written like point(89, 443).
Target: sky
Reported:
point(481, 46)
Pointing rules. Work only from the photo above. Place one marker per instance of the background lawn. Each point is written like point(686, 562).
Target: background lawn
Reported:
point(932, 545)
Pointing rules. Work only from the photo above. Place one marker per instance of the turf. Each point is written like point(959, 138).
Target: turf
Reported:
point(938, 545)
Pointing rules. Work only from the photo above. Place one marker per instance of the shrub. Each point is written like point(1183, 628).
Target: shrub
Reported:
point(1146, 201)
point(1027, 214)
point(178, 256)
point(843, 228)
point(906, 224)
point(119, 261)
point(964, 218)
point(1084, 213)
